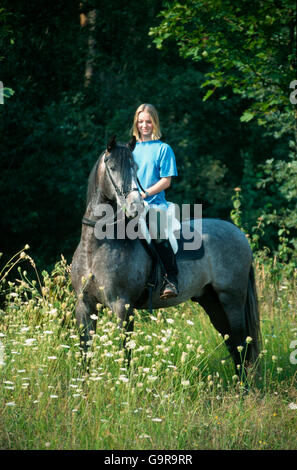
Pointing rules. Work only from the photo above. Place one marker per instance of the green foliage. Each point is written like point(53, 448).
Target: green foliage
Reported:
point(236, 212)
point(179, 392)
point(251, 46)
point(54, 127)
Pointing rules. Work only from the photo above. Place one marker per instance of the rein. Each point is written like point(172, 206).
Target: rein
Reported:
point(120, 193)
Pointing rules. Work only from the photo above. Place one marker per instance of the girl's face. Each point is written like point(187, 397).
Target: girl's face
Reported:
point(145, 125)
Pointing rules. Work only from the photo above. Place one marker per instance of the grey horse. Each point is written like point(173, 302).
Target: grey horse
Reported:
point(115, 271)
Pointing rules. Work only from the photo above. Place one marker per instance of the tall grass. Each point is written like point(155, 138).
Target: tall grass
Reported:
point(180, 391)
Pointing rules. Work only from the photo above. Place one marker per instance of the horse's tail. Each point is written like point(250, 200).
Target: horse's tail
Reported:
point(252, 318)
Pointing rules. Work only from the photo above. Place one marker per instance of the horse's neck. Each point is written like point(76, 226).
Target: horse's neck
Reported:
point(92, 205)
point(89, 212)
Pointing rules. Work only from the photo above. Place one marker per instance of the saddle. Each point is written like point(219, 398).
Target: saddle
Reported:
point(184, 252)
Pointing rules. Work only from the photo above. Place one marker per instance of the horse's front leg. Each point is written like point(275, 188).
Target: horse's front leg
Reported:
point(125, 314)
point(86, 321)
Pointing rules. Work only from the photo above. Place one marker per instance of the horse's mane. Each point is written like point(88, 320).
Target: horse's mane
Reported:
point(92, 181)
point(123, 158)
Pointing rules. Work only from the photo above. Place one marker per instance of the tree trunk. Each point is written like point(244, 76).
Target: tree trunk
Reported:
point(89, 20)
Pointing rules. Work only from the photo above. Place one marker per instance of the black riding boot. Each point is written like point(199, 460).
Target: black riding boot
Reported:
point(170, 283)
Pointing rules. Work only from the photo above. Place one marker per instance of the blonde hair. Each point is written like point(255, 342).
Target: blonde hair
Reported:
point(149, 108)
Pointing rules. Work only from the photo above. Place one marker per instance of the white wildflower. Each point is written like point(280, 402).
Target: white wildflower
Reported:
point(24, 329)
point(123, 378)
point(152, 378)
point(29, 341)
point(185, 383)
point(183, 357)
point(293, 406)
point(131, 344)
point(103, 338)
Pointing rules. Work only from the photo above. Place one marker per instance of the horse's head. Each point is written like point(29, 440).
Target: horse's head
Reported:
point(117, 174)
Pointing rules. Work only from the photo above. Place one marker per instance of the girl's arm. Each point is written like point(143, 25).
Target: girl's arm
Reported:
point(161, 185)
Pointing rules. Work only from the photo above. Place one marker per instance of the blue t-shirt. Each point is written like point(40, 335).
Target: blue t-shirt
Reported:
point(155, 160)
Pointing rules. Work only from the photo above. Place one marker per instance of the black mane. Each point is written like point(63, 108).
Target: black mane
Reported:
point(121, 158)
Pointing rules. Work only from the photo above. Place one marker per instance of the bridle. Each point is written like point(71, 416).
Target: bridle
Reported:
point(120, 193)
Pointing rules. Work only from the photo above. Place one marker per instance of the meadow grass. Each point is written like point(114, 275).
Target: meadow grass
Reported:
point(180, 392)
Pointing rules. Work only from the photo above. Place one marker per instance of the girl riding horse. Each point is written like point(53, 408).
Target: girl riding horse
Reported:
point(156, 166)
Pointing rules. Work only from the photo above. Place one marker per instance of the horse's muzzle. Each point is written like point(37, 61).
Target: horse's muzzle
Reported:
point(134, 205)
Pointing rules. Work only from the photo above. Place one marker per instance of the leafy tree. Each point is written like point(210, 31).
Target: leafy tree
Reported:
point(79, 70)
point(251, 46)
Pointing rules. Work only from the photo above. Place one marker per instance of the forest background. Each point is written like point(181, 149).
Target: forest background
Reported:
point(221, 75)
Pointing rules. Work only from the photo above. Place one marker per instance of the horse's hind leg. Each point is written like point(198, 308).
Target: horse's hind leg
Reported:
point(233, 306)
point(226, 312)
point(212, 306)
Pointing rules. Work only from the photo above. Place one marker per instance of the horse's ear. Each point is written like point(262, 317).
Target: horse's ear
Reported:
point(111, 143)
point(132, 143)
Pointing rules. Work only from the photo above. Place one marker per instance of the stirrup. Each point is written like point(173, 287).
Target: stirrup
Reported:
point(169, 289)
